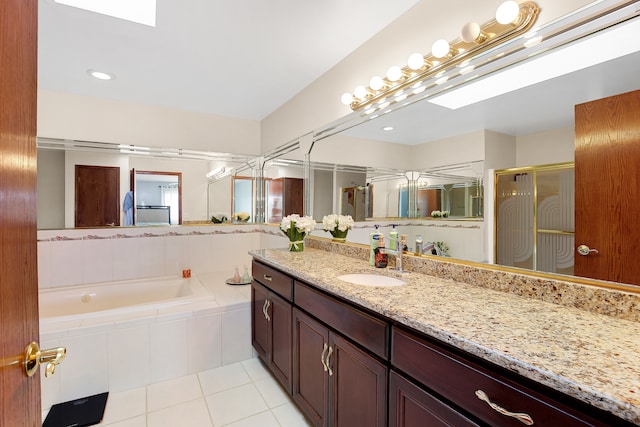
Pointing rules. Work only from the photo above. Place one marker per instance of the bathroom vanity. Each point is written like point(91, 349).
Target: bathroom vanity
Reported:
point(434, 351)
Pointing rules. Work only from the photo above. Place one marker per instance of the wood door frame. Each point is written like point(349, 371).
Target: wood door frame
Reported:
point(20, 396)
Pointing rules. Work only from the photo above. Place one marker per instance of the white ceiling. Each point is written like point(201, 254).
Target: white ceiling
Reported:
point(279, 47)
point(198, 47)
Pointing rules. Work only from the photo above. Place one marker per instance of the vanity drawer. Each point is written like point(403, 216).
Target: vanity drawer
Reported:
point(368, 331)
point(457, 380)
point(273, 279)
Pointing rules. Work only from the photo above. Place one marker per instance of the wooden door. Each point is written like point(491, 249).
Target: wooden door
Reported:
point(280, 349)
point(310, 380)
point(358, 386)
point(19, 395)
point(97, 201)
point(607, 168)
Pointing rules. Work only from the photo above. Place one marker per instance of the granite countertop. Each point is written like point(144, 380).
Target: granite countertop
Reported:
point(591, 357)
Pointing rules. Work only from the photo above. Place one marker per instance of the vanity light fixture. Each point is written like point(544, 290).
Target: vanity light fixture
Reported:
point(512, 19)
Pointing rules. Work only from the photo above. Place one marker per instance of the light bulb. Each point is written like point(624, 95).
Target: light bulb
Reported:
point(376, 83)
point(360, 92)
point(440, 48)
point(347, 98)
point(470, 32)
point(416, 61)
point(507, 12)
point(394, 73)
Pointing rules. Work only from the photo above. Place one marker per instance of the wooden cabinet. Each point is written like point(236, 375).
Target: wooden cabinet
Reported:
point(271, 323)
point(485, 392)
point(345, 365)
point(335, 382)
point(411, 406)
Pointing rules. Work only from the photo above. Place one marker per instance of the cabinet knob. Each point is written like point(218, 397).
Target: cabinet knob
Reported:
point(520, 416)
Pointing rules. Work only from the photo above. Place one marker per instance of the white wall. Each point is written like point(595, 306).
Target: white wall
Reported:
point(553, 146)
point(50, 189)
point(68, 116)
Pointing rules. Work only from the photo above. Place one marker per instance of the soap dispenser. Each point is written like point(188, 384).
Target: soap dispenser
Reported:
point(373, 245)
point(393, 238)
point(381, 257)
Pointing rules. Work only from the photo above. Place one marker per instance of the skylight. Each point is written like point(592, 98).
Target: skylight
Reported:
point(139, 11)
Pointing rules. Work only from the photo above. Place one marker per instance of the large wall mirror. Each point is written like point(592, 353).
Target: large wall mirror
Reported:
point(527, 127)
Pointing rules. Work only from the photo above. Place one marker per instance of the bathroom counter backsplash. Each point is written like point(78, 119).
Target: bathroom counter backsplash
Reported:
point(537, 339)
point(612, 302)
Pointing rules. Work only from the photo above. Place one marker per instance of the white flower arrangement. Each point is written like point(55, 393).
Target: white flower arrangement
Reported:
point(440, 214)
point(241, 216)
point(338, 225)
point(337, 222)
point(296, 227)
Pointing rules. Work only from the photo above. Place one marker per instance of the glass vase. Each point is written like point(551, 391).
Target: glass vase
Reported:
point(339, 236)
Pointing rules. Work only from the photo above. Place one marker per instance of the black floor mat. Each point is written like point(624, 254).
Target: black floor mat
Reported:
point(86, 411)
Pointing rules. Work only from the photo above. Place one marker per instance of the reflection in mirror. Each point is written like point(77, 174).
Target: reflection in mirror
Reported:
point(157, 199)
point(242, 205)
point(531, 125)
point(56, 176)
point(535, 210)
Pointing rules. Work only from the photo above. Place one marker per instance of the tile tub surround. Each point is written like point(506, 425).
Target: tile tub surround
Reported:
point(611, 302)
point(125, 352)
point(81, 256)
point(589, 356)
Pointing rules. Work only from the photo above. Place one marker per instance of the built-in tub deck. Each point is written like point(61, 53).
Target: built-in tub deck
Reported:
point(120, 349)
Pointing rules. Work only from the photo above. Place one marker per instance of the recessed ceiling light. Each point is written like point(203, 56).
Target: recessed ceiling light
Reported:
point(101, 75)
point(387, 128)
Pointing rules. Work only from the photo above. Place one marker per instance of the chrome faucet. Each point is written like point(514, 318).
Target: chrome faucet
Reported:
point(400, 243)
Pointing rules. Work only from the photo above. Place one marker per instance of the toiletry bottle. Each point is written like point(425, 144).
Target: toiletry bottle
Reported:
point(403, 243)
point(245, 277)
point(393, 238)
point(373, 244)
point(236, 276)
point(381, 258)
point(419, 244)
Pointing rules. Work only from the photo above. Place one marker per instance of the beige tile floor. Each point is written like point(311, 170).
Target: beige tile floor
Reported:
point(239, 395)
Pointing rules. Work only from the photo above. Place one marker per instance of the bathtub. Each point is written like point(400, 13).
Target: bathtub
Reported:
point(106, 299)
point(124, 335)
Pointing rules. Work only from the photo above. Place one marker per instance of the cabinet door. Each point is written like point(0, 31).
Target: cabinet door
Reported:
point(358, 386)
point(310, 381)
point(259, 324)
point(410, 406)
point(280, 349)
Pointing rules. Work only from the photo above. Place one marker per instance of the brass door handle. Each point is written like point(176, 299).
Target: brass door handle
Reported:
point(33, 357)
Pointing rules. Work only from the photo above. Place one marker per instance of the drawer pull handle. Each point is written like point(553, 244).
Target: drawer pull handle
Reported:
point(324, 365)
point(522, 417)
point(267, 277)
point(329, 361)
point(268, 304)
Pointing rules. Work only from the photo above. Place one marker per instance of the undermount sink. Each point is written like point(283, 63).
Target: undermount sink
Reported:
point(367, 279)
